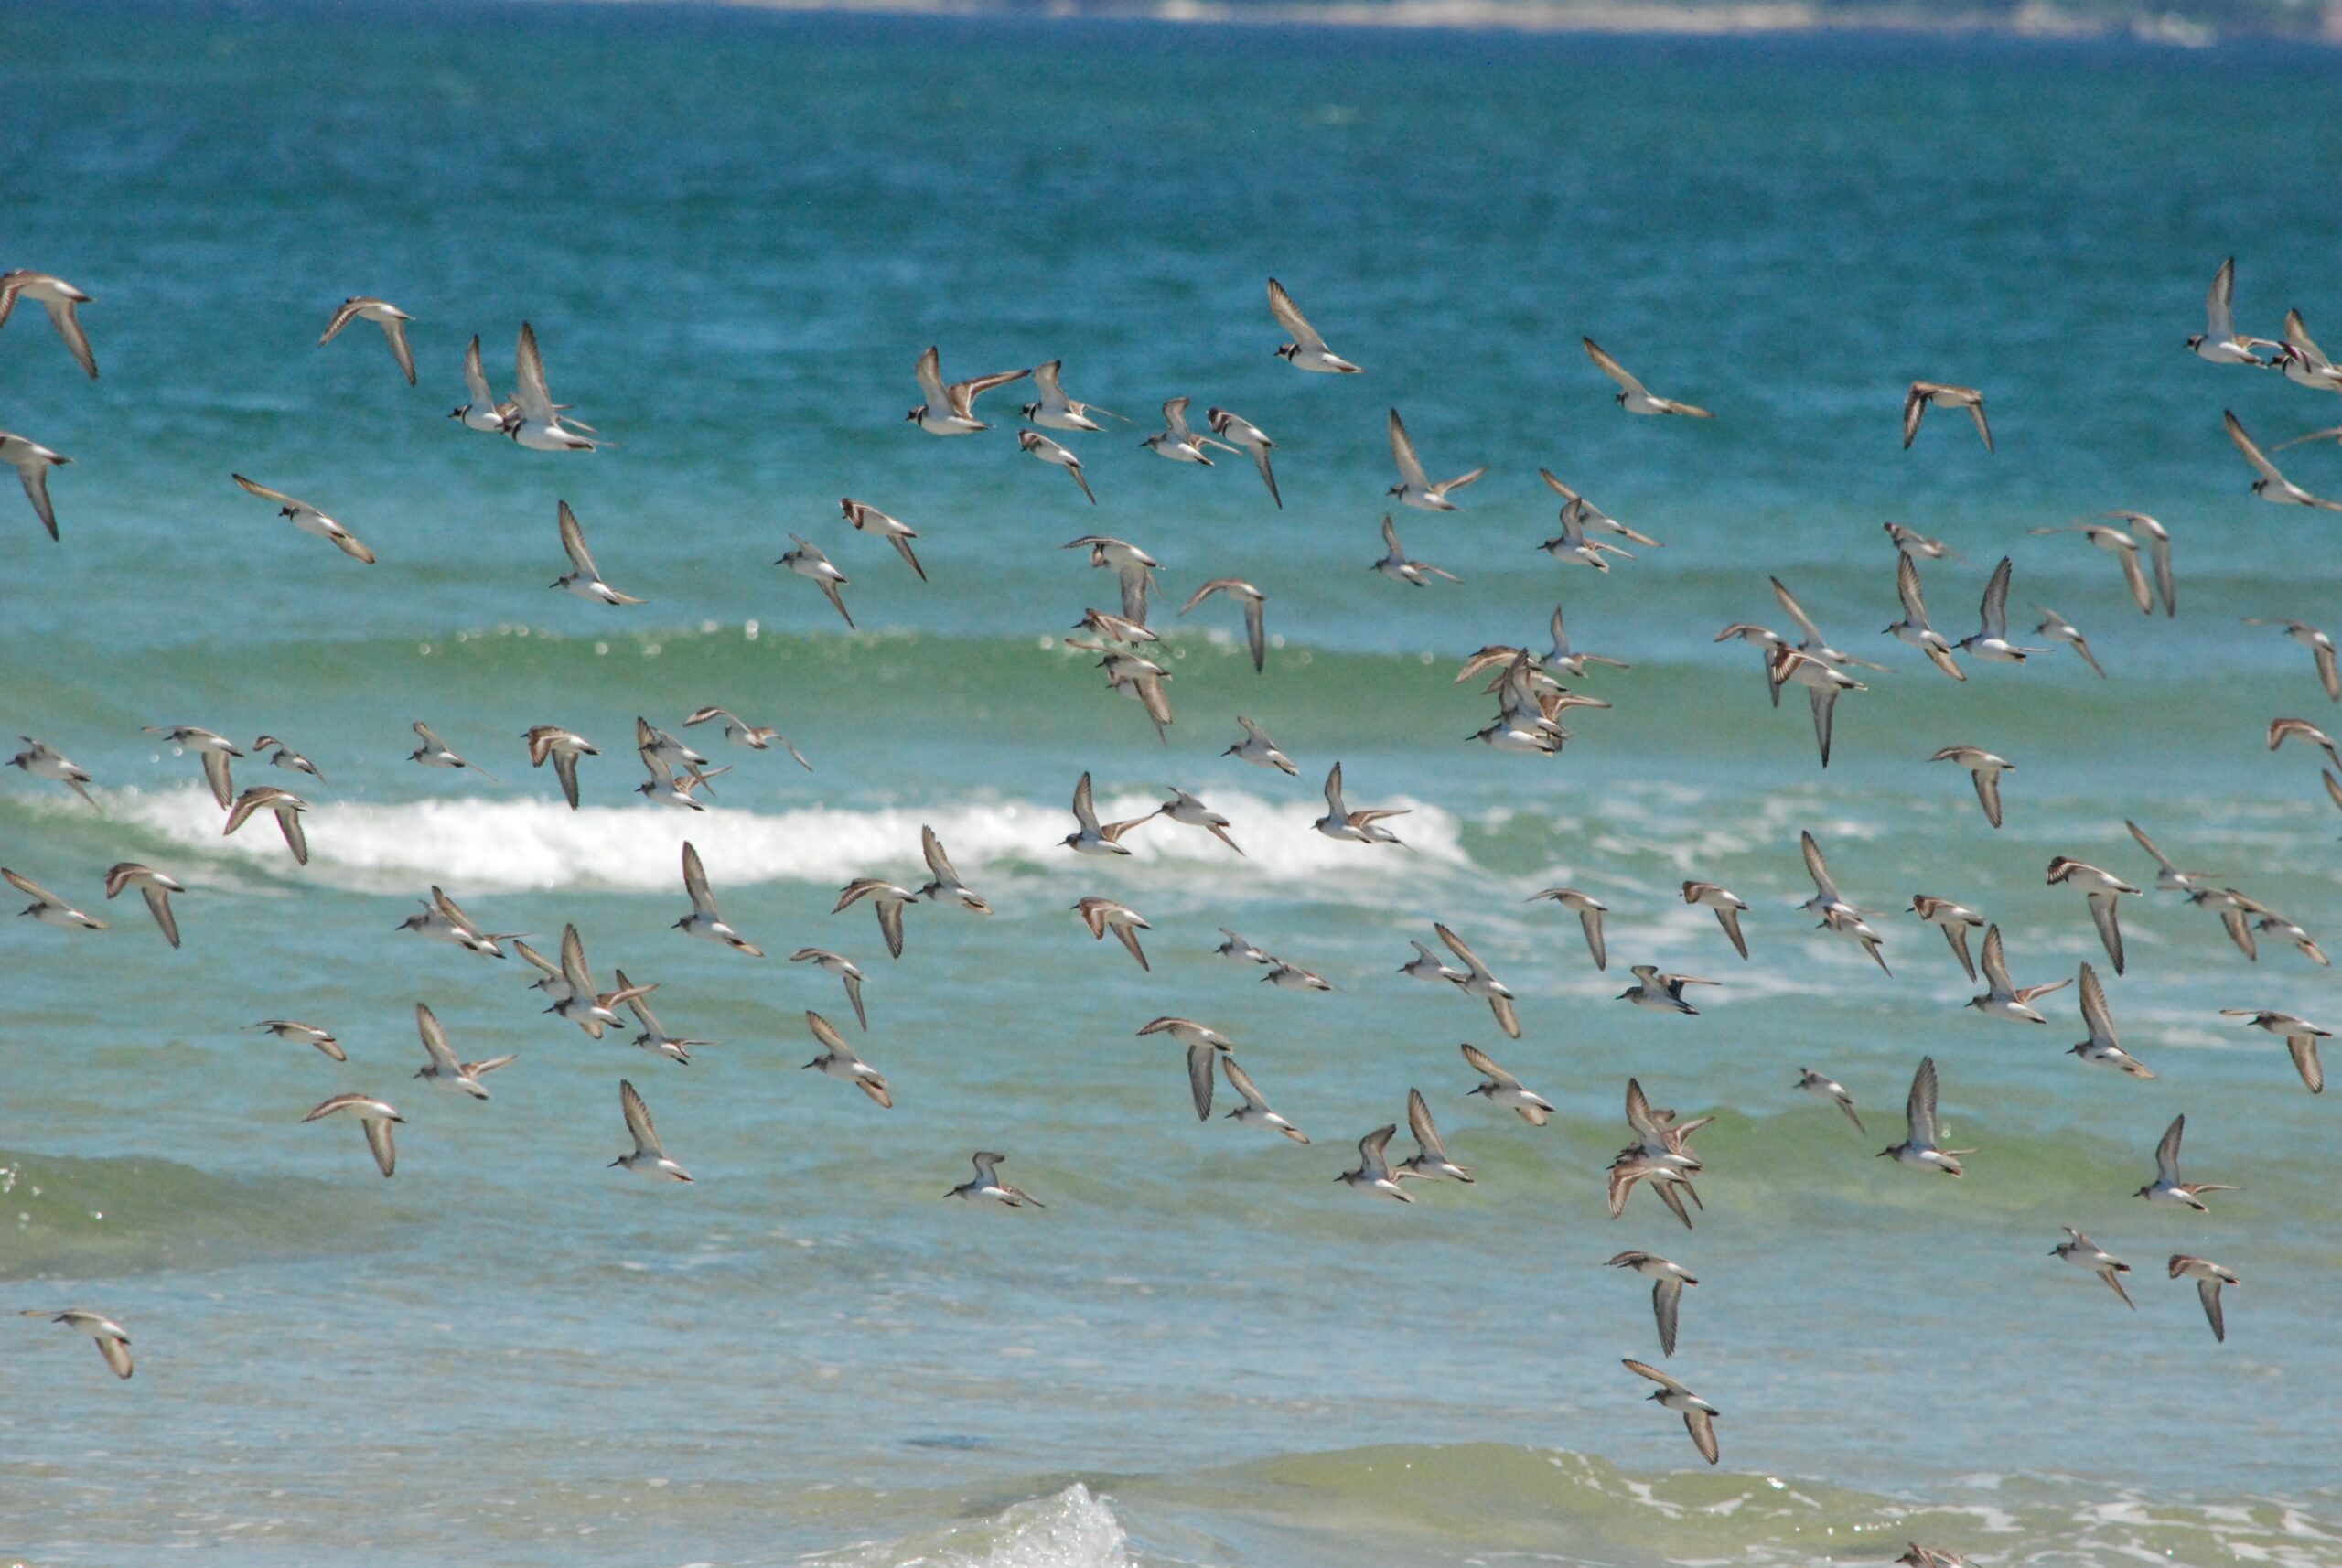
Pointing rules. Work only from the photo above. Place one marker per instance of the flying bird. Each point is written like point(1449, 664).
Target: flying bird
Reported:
point(1633, 396)
point(1307, 352)
point(60, 300)
point(309, 520)
point(383, 313)
point(1924, 395)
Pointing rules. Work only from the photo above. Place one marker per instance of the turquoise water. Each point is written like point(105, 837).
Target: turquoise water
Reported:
point(734, 234)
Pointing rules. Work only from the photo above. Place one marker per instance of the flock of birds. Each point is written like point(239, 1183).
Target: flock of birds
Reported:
point(1529, 682)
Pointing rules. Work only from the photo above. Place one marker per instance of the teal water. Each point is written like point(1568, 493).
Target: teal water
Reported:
point(734, 234)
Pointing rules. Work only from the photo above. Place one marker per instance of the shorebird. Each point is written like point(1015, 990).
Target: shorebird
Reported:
point(383, 313)
point(839, 1060)
point(1256, 606)
point(943, 885)
point(1255, 1111)
point(1633, 396)
point(1727, 905)
point(2301, 1038)
point(1590, 517)
point(1500, 1087)
point(41, 760)
point(2208, 1277)
point(287, 808)
point(1668, 1281)
point(2099, 1019)
point(1356, 827)
point(1990, 641)
point(1916, 545)
point(1258, 749)
point(563, 748)
point(1985, 770)
point(1200, 1040)
point(870, 520)
point(1918, 1556)
point(1373, 1175)
point(1286, 975)
point(1922, 1140)
point(1661, 993)
point(112, 1341)
point(1236, 950)
point(2158, 540)
point(2005, 999)
point(1823, 683)
point(1955, 921)
point(1924, 395)
point(154, 887)
point(436, 753)
point(741, 733)
point(1185, 809)
point(2303, 361)
point(2283, 730)
point(849, 975)
point(1089, 836)
point(2084, 1253)
point(808, 562)
point(444, 1070)
point(2101, 889)
point(1430, 1161)
point(217, 753)
point(1241, 434)
point(950, 410)
point(1307, 352)
point(583, 1002)
point(309, 520)
point(649, 1156)
point(1102, 915)
point(1828, 1089)
point(376, 1116)
point(2271, 486)
point(49, 908)
point(889, 900)
point(2168, 1187)
point(2058, 628)
point(704, 922)
point(1699, 1415)
point(1832, 907)
point(1474, 980)
point(2273, 924)
point(1913, 627)
point(484, 413)
point(1178, 443)
point(1812, 643)
point(655, 1037)
point(1414, 488)
point(1056, 411)
point(442, 921)
point(1132, 568)
point(2169, 878)
point(2320, 648)
point(583, 578)
point(1590, 911)
point(1572, 544)
point(1428, 965)
point(987, 1189)
point(32, 462)
point(283, 755)
point(533, 419)
point(58, 298)
point(1396, 565)
point(2124, 548)
point(1063, 457)
point(2219, 341)
point(305, 1034)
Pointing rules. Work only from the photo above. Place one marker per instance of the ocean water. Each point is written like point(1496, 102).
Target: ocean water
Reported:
point(733, 233)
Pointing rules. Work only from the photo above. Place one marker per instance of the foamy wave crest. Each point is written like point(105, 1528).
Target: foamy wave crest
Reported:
point(1069, 1530)
point(482, 844)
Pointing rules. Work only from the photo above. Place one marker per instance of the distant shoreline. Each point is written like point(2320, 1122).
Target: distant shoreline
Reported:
point(1615, 17)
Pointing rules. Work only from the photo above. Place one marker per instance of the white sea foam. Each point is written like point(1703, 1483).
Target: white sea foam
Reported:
point(1071, 1528)
point(483, 844)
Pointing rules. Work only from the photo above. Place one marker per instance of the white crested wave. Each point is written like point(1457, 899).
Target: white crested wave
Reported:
point(483, 844)
point(1072, 1529)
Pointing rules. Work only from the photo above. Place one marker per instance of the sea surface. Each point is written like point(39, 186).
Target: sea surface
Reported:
point(733, 233)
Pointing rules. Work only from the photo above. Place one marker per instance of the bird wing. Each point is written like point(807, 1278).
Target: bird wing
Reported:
point(824, 1032)
point(529, 379)
point(1819, 869)
point(1488, 1068)
point(1666, 1303)
point(1200, 1077)
point(936, 861)
point(929, 372)
point(2219, 302)
point(1919, 1109)
point(1085, 809)
point(1797, 613)
point(1654, 1374)
point(1614, 369)
point(1906, 583)
point(1702, 1426)
point(2167, 1152)
point(573, 539)
point(383, 1144)
point(2252, 453)
point(638, 1119)
point(30, 888)
point(1996, 961)
point(395, 330)
point(1994, 608)
point(1425, 1131)
point(1289, 316)
point(2136, 575)
point(573, 965)
point(265, 493)
point(435, 1040)
point(1402, 452)
point(2096, 1016)
point(1334, 806)
point(475, 379)
point(1372, 1152)
point(1455, 945)
point(703, 897)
